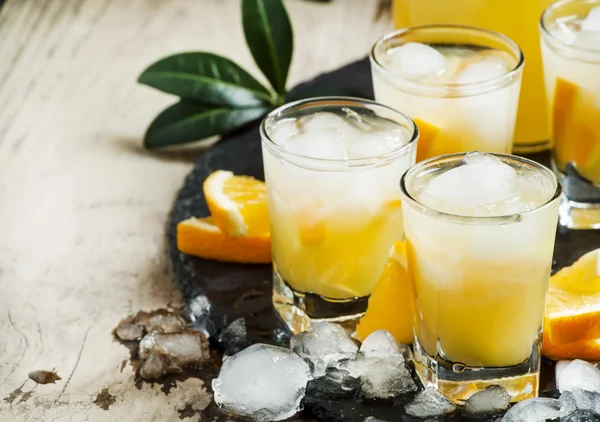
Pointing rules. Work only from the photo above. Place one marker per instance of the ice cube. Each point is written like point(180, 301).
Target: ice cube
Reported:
point(582, 399)
point(324, 344)
point(579, 374)
point(582, 416)
point(375, 144)
point(560, 366)
point(326, 145)
point(185, 348)
point(381, 378)
point(589, 40)
point(592, 21)
point(565, 31)
point(489, 67)
point(429, 403)
point(324, 122)
point(380, 344)
point(283, 130)
point(373, 419)
point(127, 331)
point(416, 60)
point(262, 382)
point(480, 187)
point(164, 323)
point(336, 383)
point(234, 337)
point(538, 410)
point(492, 399)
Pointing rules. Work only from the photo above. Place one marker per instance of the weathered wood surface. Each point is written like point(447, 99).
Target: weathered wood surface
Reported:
point(83, 208)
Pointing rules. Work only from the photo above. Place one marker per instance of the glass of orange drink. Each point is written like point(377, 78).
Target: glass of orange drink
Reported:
point(571, 52)
point(460, 84)
point(517, 20)
point(332, 167)
point(479, 231)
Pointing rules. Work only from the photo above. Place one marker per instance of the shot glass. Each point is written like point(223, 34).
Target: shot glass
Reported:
point(331, 168)
point(460, 83)
point(571, 56)
point(480, 233)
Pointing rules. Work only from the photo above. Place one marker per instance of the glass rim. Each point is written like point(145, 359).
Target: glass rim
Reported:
point(555, 6)
point(476, 220)
point(451, 87)
point(348, 102)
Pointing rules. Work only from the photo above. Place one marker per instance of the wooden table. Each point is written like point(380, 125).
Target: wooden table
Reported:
point(83, 207)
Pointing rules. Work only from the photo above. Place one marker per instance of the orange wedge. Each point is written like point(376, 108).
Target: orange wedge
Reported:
point(238, 204)
point(573, 302)
point(427, 135)
point(390, 304)
point(588, 350)
point(201, 237)
point(576, 133)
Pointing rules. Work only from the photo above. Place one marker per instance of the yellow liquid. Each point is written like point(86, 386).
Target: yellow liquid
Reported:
point(517, 19)
point(491, 316)
point(338, 256)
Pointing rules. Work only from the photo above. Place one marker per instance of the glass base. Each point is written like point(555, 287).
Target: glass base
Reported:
point(298, 310)
point(580, 204)
point(529, 147)
point(578, 216)
point(458, 382)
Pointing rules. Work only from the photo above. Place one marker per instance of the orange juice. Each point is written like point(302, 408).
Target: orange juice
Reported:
point(516, 19)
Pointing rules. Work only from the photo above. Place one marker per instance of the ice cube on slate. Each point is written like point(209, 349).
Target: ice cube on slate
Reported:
point(582, 399)
point(324, 344)
point(492, 399)
point(234, 337)
point(381, 378)
point(579, 374)
point(429, 403)
point(262, 382)
point(581, 416)
point(417, 60)
point(185, 348)
point(538, 410)
point(560, 366)
point(336, 383)
point(380, 344)
point(373, 419)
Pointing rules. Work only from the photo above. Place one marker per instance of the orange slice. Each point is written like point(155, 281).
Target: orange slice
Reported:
point(573, 302)
point(427, 135)
point(588, 350)
point(201, 237)
point(238, 204)
point(390, 304)
point(576, 133)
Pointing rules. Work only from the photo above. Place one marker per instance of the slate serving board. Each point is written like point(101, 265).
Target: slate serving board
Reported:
point(237, 290)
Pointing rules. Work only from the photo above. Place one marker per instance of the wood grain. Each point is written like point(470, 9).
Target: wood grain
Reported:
point(83, 211)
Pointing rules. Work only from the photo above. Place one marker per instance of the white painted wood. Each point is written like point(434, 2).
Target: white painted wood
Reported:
point(82, 207)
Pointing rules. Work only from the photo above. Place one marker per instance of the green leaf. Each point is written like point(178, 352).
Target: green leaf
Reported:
point(269, 36)
point(207, 78)
point(186, 122)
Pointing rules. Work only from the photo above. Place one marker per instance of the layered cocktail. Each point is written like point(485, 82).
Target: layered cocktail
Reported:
point(460, 84)
point(571, 52)
point(332, 166)
point(480, 233)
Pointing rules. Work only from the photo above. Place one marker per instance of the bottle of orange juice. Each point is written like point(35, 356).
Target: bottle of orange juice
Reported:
point(517, 19)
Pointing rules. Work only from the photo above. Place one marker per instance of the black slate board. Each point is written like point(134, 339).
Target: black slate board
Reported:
point(245, 290)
